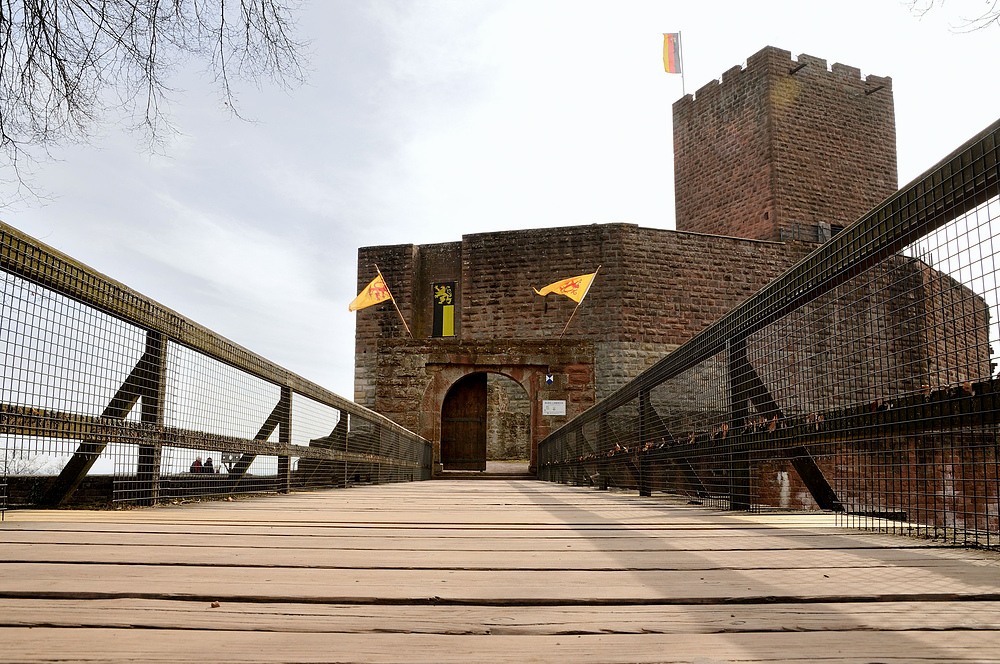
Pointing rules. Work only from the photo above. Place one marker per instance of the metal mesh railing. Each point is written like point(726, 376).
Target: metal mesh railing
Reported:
point(861, 381)
point(107, 396)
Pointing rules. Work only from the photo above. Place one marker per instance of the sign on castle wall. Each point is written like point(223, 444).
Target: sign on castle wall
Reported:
point(553, 407)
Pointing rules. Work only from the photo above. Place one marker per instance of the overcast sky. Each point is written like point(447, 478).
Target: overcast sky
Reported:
point(424, 121)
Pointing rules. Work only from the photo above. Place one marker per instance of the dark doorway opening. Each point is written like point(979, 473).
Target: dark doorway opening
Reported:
point(463, 424)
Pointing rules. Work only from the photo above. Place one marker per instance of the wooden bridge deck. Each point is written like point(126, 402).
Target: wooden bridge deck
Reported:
point(466, 571)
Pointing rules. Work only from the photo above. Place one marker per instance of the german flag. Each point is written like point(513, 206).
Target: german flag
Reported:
point(672, 52)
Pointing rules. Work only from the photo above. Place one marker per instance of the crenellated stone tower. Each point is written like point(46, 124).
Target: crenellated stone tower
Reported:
point(783, 149)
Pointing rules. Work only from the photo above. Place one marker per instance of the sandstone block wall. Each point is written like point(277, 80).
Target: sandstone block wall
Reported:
point(783, 148)
point(414, 376)
point(508, 419)
point(655, 290)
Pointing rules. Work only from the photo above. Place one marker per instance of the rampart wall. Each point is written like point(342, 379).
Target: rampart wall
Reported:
point(655, 290)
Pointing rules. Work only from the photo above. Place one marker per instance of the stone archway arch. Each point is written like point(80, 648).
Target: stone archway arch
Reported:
point(413, 377)
point(485, 415)
point(445, 376)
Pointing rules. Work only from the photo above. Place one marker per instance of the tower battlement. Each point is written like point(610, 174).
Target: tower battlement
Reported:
point(783, 148)
point(776, 60)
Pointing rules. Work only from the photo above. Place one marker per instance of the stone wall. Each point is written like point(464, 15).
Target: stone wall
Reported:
point(508, 419)
point(381, 321)
point(783, 149)
point(618, 362)
point(655, 290)
point(897, 329)
point(414, 376)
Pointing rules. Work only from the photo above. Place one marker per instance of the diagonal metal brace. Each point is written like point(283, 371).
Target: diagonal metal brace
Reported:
point(754, 390)
point(280, 416)
point(143, 381)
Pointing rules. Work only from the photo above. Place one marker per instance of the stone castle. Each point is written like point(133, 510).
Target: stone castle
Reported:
point(770, 161)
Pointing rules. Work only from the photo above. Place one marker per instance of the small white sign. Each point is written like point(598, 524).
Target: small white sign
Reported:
point(553, 407)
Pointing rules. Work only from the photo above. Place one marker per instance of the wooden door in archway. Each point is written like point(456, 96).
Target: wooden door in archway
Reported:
point(463, 424)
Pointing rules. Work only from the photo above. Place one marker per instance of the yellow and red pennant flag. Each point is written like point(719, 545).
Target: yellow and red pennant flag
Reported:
point(373, 293)
point(575, 288)
point(672, 52)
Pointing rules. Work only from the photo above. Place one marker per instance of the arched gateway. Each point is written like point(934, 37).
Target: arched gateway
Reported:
point(476, 411)
point(484, 416)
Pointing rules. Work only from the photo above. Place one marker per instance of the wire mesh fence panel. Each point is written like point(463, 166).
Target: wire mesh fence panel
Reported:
point(108, 397)
point(65, 369)
point(862, 381)
point(318, 426)
point(691, 412)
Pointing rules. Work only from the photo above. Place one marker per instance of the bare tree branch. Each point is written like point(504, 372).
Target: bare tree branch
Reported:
point(65, 63)
point(977, 19)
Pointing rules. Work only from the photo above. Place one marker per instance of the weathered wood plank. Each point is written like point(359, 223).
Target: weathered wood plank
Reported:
point(470, 571)
point(190, 645)
point(498, 586)
point(468, 619)
point(480, 555)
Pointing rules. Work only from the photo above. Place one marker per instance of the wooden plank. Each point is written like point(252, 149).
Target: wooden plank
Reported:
point(459, 541)
point(471, 571)
point(238, 647)
point(522, 586)
point(467, 619)
point(314, 554)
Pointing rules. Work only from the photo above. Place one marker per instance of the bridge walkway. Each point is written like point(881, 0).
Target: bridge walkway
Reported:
point(497, 570)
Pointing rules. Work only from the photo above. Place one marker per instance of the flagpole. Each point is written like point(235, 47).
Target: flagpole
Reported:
point(566, 327)
point(680, 52)
point(403, 320)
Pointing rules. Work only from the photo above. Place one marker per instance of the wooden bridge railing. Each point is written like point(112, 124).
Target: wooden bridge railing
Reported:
point(107, 395)
point(861, 381)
